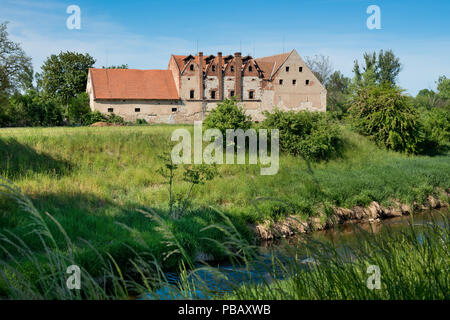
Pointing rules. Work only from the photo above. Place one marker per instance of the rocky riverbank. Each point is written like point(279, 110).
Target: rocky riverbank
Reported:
point(292, 225)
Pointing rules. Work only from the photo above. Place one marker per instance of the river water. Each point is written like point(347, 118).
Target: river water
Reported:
point(224, 278)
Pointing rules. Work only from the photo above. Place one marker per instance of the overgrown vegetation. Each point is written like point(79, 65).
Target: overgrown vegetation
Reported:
point(308, 134)
point(227, 115)
point(384, 114)
point(413, 264)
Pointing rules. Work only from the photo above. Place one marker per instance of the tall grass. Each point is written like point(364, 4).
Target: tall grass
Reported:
point(95, 180)
point(414, 264)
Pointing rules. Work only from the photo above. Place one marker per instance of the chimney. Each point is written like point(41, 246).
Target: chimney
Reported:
point(238, 75)
point(220, 75)
point(200, 75)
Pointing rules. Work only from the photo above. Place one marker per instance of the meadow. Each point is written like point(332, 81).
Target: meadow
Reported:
point(96, 181)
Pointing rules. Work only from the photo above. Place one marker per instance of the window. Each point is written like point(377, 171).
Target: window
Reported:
point(300, 69)
point(191, 94)
point(110, 110)
point(174, 109)
point(232, 93)
point(250, 68)
point(294, 82)
point(250, 94)
point(213, 68)
point(137, 109)
point(287, 69)
point(191, 67)
point(307, 82)
point(232, 69)
point(213, 94)
point(281, 81)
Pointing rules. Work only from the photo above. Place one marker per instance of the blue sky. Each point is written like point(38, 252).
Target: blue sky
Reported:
point(143, 34)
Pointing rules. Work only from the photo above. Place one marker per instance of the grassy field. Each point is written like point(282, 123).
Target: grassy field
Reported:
point(92, 180)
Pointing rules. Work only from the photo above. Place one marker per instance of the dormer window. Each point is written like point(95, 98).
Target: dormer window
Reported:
point(232, 69)
point(307, 82)
point(213, 94)
point(251, 94)
point(250, 68)
point(281, 81)
point(191, 94)
point(213, 68)
point(287, 69)
point(300, 69)
point(191, 67)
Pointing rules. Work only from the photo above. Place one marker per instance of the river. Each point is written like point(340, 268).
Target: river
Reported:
point(208, 284)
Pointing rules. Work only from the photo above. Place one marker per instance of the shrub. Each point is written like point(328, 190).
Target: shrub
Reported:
point(308, 134)
point(93, 117)
point(113, 118)
point(78, 108)
point(32, 109)
point(227, 115)
point(387, 116)
point(435, 125)
point(141, 122)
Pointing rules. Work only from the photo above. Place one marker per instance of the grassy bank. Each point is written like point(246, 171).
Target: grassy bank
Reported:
point(411, 264)
point(92, 180)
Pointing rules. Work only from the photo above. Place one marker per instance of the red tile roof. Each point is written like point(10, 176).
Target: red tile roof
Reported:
point(133, 84)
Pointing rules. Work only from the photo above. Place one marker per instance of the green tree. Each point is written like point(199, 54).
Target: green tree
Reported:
point(380, 69)
point(34, 109)
point(16, 70)
point(338, 92)
point(387, 116)
point(79, 108)
point(443, 86)
point(64, 76)
point(227, 115)
point(122, 66)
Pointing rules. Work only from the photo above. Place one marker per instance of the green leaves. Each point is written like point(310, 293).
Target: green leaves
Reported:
point(384, 114)
point(308, 134)
point(65, 75)
point(227, 115)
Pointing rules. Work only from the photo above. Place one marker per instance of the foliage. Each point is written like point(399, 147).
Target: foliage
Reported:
point(122, 66)
point(338, 94)
point(193, 175)
point(321, 66)
point(78, 108)
point(16, 70)
point(32, 109)
point(383, 69)
point(435, 125)
point(387, 116)
point(227, 115)
point(308, 134)
point(64, 76)
point(93, 117)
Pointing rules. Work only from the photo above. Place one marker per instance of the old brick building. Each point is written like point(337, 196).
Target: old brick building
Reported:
point(192, 85)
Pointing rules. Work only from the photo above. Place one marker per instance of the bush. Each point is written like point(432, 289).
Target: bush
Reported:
point(387, 116)
point(78, 108)
point(435, 125)
point(93, 117)
point(32, 109)
point(227, 115)
point(113, 118)
point(308, 134)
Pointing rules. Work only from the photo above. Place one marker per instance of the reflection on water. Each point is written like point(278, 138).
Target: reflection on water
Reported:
point(286, 251)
